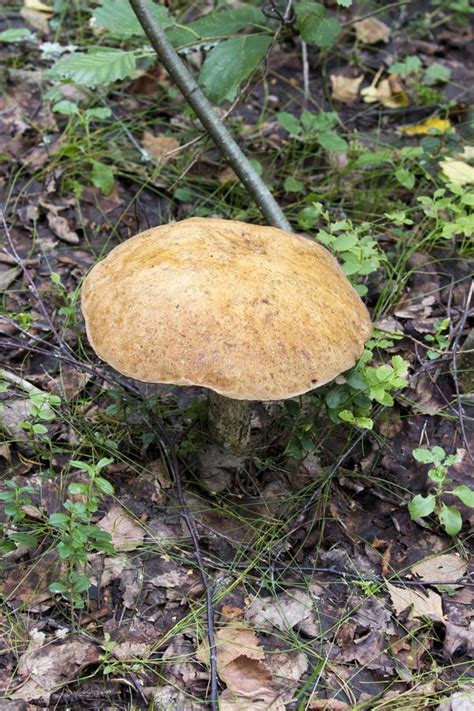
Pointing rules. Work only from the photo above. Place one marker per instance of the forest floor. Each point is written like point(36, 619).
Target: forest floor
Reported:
point(325, 593)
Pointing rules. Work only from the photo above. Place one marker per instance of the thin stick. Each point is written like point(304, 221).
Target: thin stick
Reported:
point(209, 119)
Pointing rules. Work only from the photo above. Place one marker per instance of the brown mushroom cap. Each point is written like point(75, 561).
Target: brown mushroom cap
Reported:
point(251, 312)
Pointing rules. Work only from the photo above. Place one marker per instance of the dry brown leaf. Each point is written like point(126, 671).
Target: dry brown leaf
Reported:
point(328, 705)
point(159, 147)
point(37, 20)
point(283, 611)
point(49, 666)
point(228, 175)
point(230, 702)
point(344, 88)
point(232, 641)
point(422, 605)
point(246, 677)
point(371, 30)
point(126, 534)
point(7, 277)
point(441, 568)
point(60, 226)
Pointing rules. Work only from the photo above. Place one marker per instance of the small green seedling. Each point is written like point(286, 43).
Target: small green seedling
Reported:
point(439, 339)
point(421, 506)
point(317, 128)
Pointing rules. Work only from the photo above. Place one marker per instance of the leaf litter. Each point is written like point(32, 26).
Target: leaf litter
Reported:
point(147, 596)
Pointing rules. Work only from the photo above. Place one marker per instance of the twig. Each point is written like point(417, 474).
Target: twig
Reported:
point(206, 114)
point(304, 62)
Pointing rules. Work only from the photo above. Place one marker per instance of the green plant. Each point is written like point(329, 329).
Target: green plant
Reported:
point(80, 146)
point(73, 534)
point(420, 506)
point(451, 210)
point(314, 128)
point(440, 339)
point(41, 409)
point(69, 298)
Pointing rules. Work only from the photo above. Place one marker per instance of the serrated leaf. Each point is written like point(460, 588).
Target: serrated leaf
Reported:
point(421, 506)
point(331, 141)
point(451, 519)
point(96, 67)
point(118, 18)
point(465, 494)
point(219, 24)
point(230, 63)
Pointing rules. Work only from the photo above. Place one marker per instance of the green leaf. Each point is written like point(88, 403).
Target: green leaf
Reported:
point(423, 455)
point(408, 65)
point(331, 141)
point(344, 242)
point(77, 488)
point(102, 177)
point(308, 217)
point(24, 539)
point(421, 506)
point(98, 113)
point(57, 588)
point(451, 519)
point(289, 122)
point(436, 73)
point(466, 495)
point(96, 67)
point(405, 178)
point(373, 158)
point(118, 18)
point(230, 63)
point(68, 108)
point(18, 34)
point(314, 26)
point(292, 185)
point(104, 486)
point(219, 24)
point(59, 520)
point(344, 3)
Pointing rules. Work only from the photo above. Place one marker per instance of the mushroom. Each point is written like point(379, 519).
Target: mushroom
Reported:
point(249, 312)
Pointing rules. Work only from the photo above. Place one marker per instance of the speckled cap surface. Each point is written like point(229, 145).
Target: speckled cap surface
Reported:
point(251, 312)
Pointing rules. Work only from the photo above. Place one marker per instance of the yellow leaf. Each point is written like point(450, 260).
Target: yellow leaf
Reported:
point(431, 125)
point(371, 30)
point(37, 6)
point(458, 172)
point(344, 88)
point(389, 92)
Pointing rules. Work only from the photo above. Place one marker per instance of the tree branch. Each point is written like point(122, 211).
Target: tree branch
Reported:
point(209, 119)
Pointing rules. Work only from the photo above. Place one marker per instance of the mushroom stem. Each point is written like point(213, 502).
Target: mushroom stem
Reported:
point(229, 422)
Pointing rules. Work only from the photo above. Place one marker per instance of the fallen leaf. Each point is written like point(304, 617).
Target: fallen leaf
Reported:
point(240, 661)
point(38, 20)
point(126, 534)
point(460, 701)
point(459, 638)
point(458, 172)
point(344, 88)
point(328, 705)
point(431, 125)
point(60, 226)
point(160, 147)
point(441, 568)
point(283, 612)
point(51, 665)
point(389, 92)
point(371, 30)
point(8, 277)
point(38, 6)
point(230, 702)
point(422, 605)
point(228, 175)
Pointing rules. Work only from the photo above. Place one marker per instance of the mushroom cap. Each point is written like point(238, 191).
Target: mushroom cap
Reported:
point(251, 312)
